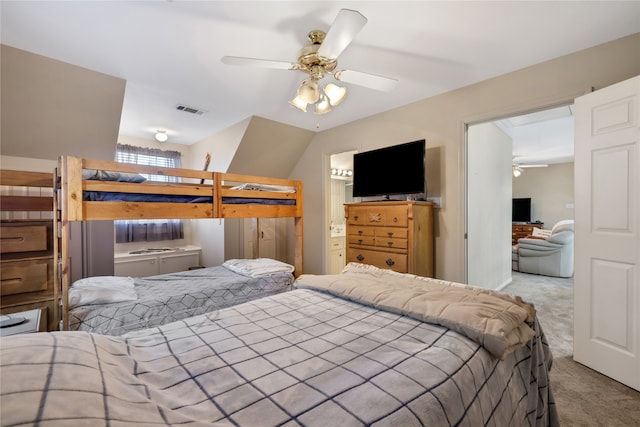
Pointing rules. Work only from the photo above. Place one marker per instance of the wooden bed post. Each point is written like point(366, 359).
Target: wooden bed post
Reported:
point(299, 243)
point(63, 236)
point(299, 232)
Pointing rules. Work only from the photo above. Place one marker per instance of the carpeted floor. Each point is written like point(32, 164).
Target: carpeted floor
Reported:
point(584, 397)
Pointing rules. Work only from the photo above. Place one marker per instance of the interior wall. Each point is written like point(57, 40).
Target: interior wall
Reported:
point(551, 190)
point(50, 108)
point(489, 206)
point(441, 120)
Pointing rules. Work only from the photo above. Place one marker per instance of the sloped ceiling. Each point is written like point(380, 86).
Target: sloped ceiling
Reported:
point(269, 148)
point(51, 108)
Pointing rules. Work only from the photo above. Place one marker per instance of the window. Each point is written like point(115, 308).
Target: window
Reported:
point(149, 230)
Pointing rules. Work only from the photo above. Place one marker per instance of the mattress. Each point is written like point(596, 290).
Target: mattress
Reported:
point(165, 298)
point(303, 357)
point(103, 196)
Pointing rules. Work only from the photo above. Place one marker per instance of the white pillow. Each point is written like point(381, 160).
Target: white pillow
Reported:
point(101, 290)
point(257, 267)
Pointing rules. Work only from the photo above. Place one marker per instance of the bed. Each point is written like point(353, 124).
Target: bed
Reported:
point(103, 190)
point(324, 354)
point(115, 305)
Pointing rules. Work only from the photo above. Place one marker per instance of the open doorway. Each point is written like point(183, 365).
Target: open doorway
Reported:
point(341, 192)
point(496, 150)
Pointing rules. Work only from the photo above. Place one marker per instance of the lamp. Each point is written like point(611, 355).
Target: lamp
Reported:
point(517, 170)
point(161, 135)
point(309, 93)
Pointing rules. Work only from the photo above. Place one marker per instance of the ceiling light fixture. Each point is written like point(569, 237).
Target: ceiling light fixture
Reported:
point(341, 172)
point(309, 93)
point(161, 135)
point(516, 169)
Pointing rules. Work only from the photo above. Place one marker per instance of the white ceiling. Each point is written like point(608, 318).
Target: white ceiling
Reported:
point(169, 51)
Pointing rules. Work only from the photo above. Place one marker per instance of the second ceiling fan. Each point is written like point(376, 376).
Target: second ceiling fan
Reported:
point(320, 58)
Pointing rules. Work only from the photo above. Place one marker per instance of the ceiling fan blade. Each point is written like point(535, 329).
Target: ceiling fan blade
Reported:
point(384, 84)
point(253, 62)
point(347, 24)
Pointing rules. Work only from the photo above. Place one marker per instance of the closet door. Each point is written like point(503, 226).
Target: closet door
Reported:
point(259, 238)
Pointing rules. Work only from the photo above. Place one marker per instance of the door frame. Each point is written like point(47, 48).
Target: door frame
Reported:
point(466, 123)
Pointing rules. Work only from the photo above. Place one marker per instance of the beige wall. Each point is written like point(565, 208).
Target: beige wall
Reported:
point(551, 192)
point(51, 108)
point(441, 121)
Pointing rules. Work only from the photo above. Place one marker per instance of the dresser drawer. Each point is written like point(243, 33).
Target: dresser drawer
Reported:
point(390, 242)
point(393, 261)
point(357, 215)
point(362, 240)
point(30, 238)
point(361, 231)
point(19, 277)
point(395, 216)
point(391, 232)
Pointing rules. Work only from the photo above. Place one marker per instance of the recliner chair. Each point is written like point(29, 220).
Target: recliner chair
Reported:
point(552, 256)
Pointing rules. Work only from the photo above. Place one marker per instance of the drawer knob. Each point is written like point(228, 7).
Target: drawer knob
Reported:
point(395, 219)
point(359, 241)
point(389, 244)
point(360, 232)
point(390, 262)
point(390, 234)
point(355, 217)
point(360, 257)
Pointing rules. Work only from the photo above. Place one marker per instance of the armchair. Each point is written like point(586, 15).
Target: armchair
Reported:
point(551, 256)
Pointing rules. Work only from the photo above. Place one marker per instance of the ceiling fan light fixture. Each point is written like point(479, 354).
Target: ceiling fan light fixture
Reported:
point(309, 91)
point(299, 103)
point(161, 135)
point(335, 93)
point(324, 106)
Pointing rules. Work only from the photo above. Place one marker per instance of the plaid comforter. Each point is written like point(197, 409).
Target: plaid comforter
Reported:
point(169, 297)
point(298, 358)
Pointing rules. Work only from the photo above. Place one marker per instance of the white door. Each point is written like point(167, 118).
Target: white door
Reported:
point(607, 232)
point(259, 238)
point(267, 238)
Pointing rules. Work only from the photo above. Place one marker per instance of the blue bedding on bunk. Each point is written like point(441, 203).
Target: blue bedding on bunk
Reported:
point(105, 196)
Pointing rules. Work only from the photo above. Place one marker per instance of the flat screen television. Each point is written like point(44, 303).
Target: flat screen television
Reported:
point(394, 170)
point(521, 210)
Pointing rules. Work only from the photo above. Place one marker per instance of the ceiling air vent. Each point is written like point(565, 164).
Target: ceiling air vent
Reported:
point(191, 110)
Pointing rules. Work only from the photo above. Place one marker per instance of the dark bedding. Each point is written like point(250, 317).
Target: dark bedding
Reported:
point(105, 196)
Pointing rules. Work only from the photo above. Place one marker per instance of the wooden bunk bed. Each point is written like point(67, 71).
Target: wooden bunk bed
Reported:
point(104, 190)
point(27, 277)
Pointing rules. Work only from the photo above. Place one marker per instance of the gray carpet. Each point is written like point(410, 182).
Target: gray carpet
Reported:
point(584, 397)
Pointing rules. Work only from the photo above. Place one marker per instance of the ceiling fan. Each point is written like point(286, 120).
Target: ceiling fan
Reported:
point(518, 168)
point(320, 58)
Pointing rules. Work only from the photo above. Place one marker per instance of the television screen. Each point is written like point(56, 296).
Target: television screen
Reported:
point(387, 171)
point(521, 210)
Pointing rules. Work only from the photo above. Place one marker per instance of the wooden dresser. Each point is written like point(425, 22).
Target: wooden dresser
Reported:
point(518, 231)
point(396, 235)
point(26, 245)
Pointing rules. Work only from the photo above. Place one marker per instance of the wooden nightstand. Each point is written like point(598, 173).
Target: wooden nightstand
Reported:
point(33, 323)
